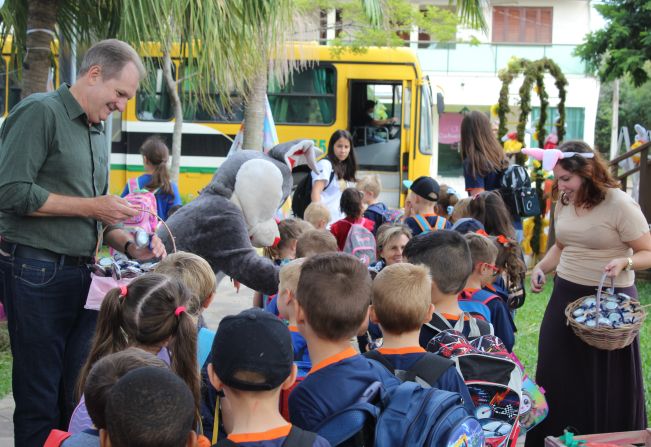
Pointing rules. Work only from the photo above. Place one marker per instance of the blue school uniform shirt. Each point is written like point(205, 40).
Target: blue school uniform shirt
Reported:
point(432, 219)
point(301, 354)
point(501, 319)
point(271, 438)
point(86, 438)
point(405, 358)
point(163, 201)
point(334, 384)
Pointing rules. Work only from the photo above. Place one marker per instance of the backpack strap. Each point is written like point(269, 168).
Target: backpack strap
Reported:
point(133, 185)
point(483, 296)
point(373, 354)
point(429, 368)
point(299, 438)
point(440, 223)
point(298, 356)
point(56, 438)
point(423, 223)
point(479, 327)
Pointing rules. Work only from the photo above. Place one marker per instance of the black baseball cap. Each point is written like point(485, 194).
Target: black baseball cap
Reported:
point(426, 187)
point(252, 341)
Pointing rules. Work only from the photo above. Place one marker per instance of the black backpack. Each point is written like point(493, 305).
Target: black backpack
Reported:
point(515, 188)
point(303, 194)
point(425, 371)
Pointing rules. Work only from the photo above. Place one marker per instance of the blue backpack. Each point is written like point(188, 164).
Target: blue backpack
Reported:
point(477, 303)
point(407, 415)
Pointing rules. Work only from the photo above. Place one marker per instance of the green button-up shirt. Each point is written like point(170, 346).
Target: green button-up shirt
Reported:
point(47, 146)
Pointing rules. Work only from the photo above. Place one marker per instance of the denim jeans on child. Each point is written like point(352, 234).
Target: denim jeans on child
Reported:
point(50, 334)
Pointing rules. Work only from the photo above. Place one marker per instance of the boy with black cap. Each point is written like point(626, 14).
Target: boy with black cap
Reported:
point(423, 195)
point(251, 361)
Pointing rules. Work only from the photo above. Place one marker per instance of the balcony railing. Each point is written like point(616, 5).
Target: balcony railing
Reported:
point(490, 58)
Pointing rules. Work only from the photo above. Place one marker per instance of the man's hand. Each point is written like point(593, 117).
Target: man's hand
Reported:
point(111, 209)
point(157, 250)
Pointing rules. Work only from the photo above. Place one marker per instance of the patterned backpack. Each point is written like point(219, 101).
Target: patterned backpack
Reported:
point(145, 201)
point(493, 380)
point(360, 243)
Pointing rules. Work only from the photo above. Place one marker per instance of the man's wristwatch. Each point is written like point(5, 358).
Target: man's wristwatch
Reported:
point(629, 264)
point(126, 249)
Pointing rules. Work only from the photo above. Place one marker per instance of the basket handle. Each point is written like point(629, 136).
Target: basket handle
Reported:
point(100, 236)
point(601, 286)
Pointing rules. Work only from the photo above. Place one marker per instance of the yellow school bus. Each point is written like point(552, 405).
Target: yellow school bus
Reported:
point(328, 95)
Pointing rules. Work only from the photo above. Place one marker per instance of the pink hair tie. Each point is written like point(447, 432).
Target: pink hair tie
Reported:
point(123, 291)
point(178, 310)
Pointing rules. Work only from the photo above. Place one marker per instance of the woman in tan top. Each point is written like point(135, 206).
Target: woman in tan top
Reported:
point(599, 229)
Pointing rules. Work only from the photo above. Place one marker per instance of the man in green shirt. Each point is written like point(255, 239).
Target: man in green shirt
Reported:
point(53, 205)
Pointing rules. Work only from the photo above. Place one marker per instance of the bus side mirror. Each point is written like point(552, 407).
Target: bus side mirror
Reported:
point(440, 103)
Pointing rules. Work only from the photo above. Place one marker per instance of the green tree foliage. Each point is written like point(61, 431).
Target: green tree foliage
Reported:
point(623, 46)
point(633, 109)
point(358, 31)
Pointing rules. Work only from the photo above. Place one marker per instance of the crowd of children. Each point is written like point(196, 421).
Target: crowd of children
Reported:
point(340, 329)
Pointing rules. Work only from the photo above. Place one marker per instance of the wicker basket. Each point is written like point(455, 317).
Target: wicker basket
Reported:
point(605, 337)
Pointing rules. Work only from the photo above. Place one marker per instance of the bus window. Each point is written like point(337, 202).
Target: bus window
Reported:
point(406, 118)
point(425, 143)
point(3, 85)
point(307, 98)
point(153, 100)
point(195, 111)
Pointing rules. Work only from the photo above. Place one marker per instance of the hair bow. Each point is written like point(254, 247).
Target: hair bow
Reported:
point(123, 291)
point(502, 239)
point(550, 157)
point(481, 232)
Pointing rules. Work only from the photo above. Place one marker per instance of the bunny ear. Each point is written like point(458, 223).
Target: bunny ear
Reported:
point(533, 152)
point(549, 157)
point(297, 152)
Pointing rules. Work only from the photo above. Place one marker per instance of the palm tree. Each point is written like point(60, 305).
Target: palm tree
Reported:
point(228, 43)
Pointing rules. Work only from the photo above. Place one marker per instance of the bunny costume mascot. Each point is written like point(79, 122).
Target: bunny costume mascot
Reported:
point(235, 213)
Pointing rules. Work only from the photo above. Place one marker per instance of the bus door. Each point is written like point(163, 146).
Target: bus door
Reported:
point(378, 148)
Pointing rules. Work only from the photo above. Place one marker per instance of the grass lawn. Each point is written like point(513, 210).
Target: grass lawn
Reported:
point(529, 317)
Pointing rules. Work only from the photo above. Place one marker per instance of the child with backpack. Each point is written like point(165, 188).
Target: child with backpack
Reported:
point(351, 206)
point(318, 215)
point(150, 313)
point(447, 256)
point(474, 298)
point(401, 305)
point(149, 407)
point(104, 374)
point(251, 362)
point(371, 187)
point(342, 282)
point(351, 400)
point(423, 196)
point(156, 178)
point(336, 171)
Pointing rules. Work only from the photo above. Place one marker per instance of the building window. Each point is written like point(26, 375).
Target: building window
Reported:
point(522, 25)
point(574, 122)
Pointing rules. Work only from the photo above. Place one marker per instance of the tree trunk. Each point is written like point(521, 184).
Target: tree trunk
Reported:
point(177, 133)
point(41, 15)
point(254, 113)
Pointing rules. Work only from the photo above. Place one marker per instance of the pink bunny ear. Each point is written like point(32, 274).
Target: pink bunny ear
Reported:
point(549, 157)
point(534, 152)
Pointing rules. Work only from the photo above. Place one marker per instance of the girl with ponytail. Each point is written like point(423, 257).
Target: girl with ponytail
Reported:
point(156, 178)
point(150, 313)
point(510, 284)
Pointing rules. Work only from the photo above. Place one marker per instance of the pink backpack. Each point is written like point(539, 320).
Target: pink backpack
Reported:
point(360, 243)
point(144, 200)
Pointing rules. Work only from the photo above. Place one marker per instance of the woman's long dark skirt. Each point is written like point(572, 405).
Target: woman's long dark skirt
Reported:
point(588, 389)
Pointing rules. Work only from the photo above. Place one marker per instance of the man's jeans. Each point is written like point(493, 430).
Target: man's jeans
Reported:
point(50, 334)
